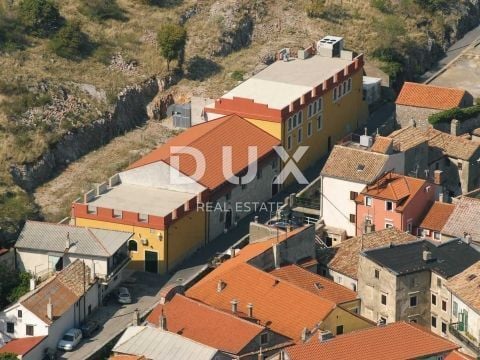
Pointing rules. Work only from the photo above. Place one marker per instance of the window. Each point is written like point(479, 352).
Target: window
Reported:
point(314, 107)
point(409, 227)
point(264, 339)
point(339, 279)
point(384, 299)
point(289, 142)
point(352, 218)
point(455, 308)
point(320, 104)
point(289, 123)
point(377, 274)
point(413, 301)
point(344, 87)
point(142, 217)
point(259, 173)
point(353, 195)
point(310, 110)
point(319, 122)
point(295, 120)
point(439, 282)
point(388, 225)
point(444, 328)
point(388, 205)
point(117, 214)
point(444, 305)
point(334, 94)
point(309, 129)
point(10, 327)
point(29, 330)
point(382, 320)
point(436, 235)
point(339, 329)
point(349, 84)
point(414, 321)
point(91, 209)
point(299, 140)
point(459, 166)
point(19, 314)
point(368, 201)
point(354, 287)
point(434, 299)
point(132, 245)
point(300, 117)
point(434, 321)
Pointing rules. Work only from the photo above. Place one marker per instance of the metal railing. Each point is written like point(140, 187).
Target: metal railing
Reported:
point(475, 346)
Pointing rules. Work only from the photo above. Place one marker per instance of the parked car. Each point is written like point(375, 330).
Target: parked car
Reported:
point(123, 296)
point(89, 327)
point(70, 339)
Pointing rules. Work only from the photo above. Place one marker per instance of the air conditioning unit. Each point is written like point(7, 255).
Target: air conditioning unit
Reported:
point(324, 335)
point(144, 241)
point(366, 141)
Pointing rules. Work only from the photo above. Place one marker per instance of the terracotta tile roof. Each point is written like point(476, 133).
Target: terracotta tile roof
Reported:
point(382, 145)
point(437, 216)
point(319, 285)
point(453, 146)
point(397, 188)
point(396, 341)
point(429, 96)
point(344, 257)
point(476, 132)
point(206, 325)
point(126, 357)
point(63, 290)
point(407, 138)
point(249, 252)
point(21, 346)
point(209, 138)
point(278, 304)
point(354, 164)
point(466, 286)
point(464, 219)
point(445, 144)
point(457, 355)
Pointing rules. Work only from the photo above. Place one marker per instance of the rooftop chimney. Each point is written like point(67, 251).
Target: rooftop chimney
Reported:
point(33, 283)
point(50, 309)
point(221, 285)
point(67, 241)
point(234, 304)
point(162, 323)
point(427, 255)
point(305, 334)
point(276, 255)
point(250, 310)
point(468, 238)
point(136, 318)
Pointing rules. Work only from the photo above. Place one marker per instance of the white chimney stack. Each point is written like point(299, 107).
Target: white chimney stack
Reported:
point(67, 241)
point(50, 309)
point(163, 321)
point(33, 284)
point(250, 310)
point(234, 304)
point(276, 255)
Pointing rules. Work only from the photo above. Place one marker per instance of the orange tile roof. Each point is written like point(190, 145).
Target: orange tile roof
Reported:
point(315, 283)
point(278, 304)
point(457, 355)
point(63, 290)
point(396, 341)
point(206, 324)
point(126, 357)
point(466, 286)
point(21, 346)
point(344, 257)
point(209, 138)
point(429, 96)
point(382, 145)
point(397, 188)
point(437, 216)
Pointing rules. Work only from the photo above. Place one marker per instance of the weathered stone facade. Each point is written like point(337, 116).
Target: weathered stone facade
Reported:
point(405, 114)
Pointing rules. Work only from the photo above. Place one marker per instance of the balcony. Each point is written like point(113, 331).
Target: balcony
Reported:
point(464, 337)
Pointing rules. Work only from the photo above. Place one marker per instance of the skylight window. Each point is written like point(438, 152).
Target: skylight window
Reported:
point(360, 167)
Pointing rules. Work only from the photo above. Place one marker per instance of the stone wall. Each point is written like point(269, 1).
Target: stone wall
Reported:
point(405, 114)
point(129, 111)
point(458, 128)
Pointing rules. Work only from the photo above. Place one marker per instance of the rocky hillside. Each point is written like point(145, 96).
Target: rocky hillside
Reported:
point(51, 107)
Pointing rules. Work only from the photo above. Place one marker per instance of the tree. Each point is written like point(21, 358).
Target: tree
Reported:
point(40, 17)
point(70, 42)
point(8, 281)
point(8, 356)
point(171, 40)
point(22, 287)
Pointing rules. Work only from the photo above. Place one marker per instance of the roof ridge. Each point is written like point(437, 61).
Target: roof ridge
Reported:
point(97, 240)
point(435, 86)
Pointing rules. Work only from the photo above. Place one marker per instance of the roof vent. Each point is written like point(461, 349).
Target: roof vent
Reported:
point(427, 256)
point(366, 141)
point(318, 286)
point(221, 285)
point(360, 167)
point(234, 304)
point(250, 310)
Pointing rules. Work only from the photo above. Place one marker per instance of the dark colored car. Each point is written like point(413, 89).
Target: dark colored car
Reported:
point(89, 327)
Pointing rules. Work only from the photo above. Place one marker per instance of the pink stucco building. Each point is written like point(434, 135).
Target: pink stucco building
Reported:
point(394, 201)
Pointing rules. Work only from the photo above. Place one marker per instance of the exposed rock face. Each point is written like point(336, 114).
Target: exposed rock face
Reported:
point(130, 110)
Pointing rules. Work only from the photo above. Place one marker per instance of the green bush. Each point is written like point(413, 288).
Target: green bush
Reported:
point(40, 17)
point(8, 356)
point(20, 99)
point(434, 5)
point(100, 10)
point(238, 75)
point(70, 42)
point(455, 113)
point(11, 34)
point(385, 6)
